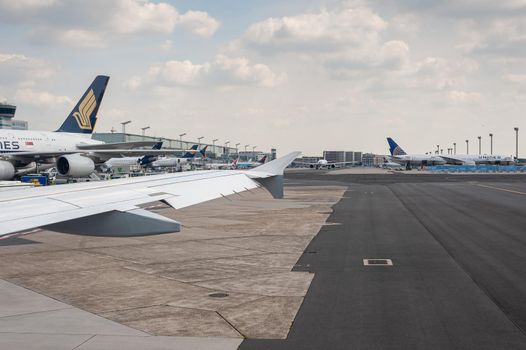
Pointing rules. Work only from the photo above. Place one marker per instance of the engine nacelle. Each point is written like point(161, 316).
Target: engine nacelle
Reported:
point(7, 170)
point(75, 165)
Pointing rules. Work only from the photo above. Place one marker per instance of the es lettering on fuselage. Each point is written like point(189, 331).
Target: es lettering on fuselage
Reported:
point(9, 145)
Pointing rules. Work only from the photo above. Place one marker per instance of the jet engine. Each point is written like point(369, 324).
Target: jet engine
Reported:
point(75, 165)
point(7, 170)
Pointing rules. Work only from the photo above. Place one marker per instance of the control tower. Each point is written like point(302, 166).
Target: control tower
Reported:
point(7, 113)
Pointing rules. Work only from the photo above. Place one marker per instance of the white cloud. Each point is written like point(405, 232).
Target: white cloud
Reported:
point(223, 71)
point(138, 16)
point(82, 38)
point(515, 78)
point(167, 45)
point(314, 31)
point(41, 98)
point(439, 73)
point(458, 97)
point(344, 40)
point(96, 23)
point(20, 67)
point(200, 23)
point(25, 5)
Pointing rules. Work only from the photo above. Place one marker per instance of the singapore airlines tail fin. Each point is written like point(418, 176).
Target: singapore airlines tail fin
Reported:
point(394, 148)
point(83, 117)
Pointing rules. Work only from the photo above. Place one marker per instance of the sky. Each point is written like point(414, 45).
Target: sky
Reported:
point(306, 75)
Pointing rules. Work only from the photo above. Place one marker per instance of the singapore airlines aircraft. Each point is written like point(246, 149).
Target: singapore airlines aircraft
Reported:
point(112, 208)
point(398, 155)
point(70, 148)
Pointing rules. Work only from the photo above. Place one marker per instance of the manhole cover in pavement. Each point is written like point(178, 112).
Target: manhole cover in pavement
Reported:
point(218, 295)
point(377, 262)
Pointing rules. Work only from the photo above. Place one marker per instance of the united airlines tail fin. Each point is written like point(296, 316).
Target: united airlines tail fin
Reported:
point(191, 153)
point(83, 117)
point(148, 158)
point(394, 148)
point(203, 151)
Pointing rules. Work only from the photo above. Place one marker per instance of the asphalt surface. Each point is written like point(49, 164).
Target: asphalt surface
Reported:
point(459, 275)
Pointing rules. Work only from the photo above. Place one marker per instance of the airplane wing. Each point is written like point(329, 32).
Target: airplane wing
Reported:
point(454, 160)
point(100, 154)
point(116, 145)
point(112, 208)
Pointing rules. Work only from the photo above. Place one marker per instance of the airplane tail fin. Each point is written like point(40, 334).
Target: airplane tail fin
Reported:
point(263, 160)
point(147, 159)
point(83, 117)
point(191, 152)
point(203, 151)
point(394, 149)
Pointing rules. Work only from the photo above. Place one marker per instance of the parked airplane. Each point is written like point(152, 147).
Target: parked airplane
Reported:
point(399, 155)
point(130, 161)
point(70, 149)
point(250, 164)
point(174, 162)
point(324, 163)
point(476, 159)
point(112, 208)
point(387, 164)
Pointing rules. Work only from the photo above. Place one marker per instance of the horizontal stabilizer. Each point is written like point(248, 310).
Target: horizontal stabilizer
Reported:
point(136, 222)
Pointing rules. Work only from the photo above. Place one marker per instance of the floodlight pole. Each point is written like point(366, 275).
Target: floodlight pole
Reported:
point(491, 144)
point(124, 126)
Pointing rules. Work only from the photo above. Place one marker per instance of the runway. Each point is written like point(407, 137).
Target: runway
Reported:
point(458, 280)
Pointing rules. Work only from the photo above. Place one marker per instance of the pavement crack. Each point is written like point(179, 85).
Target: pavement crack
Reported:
point(231, 324)
point(84, 342)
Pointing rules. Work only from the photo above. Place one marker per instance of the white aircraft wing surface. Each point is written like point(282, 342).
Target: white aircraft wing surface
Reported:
point(112, 208)
point(116, 145)
point(457, 160)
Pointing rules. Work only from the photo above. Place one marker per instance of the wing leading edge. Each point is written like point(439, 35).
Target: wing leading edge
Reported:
point(112, 208)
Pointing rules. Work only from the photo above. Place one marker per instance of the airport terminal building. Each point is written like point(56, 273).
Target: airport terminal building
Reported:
point(214, 151)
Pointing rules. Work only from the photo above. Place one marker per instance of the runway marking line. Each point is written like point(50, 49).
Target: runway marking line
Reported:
point(501, 189)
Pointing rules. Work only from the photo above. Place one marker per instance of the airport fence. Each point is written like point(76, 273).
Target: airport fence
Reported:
point(477, 168)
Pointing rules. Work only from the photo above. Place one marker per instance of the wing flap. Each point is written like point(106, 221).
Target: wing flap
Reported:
point(136, 222)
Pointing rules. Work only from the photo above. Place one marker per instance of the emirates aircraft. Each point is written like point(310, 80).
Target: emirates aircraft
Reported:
point(70, 148)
